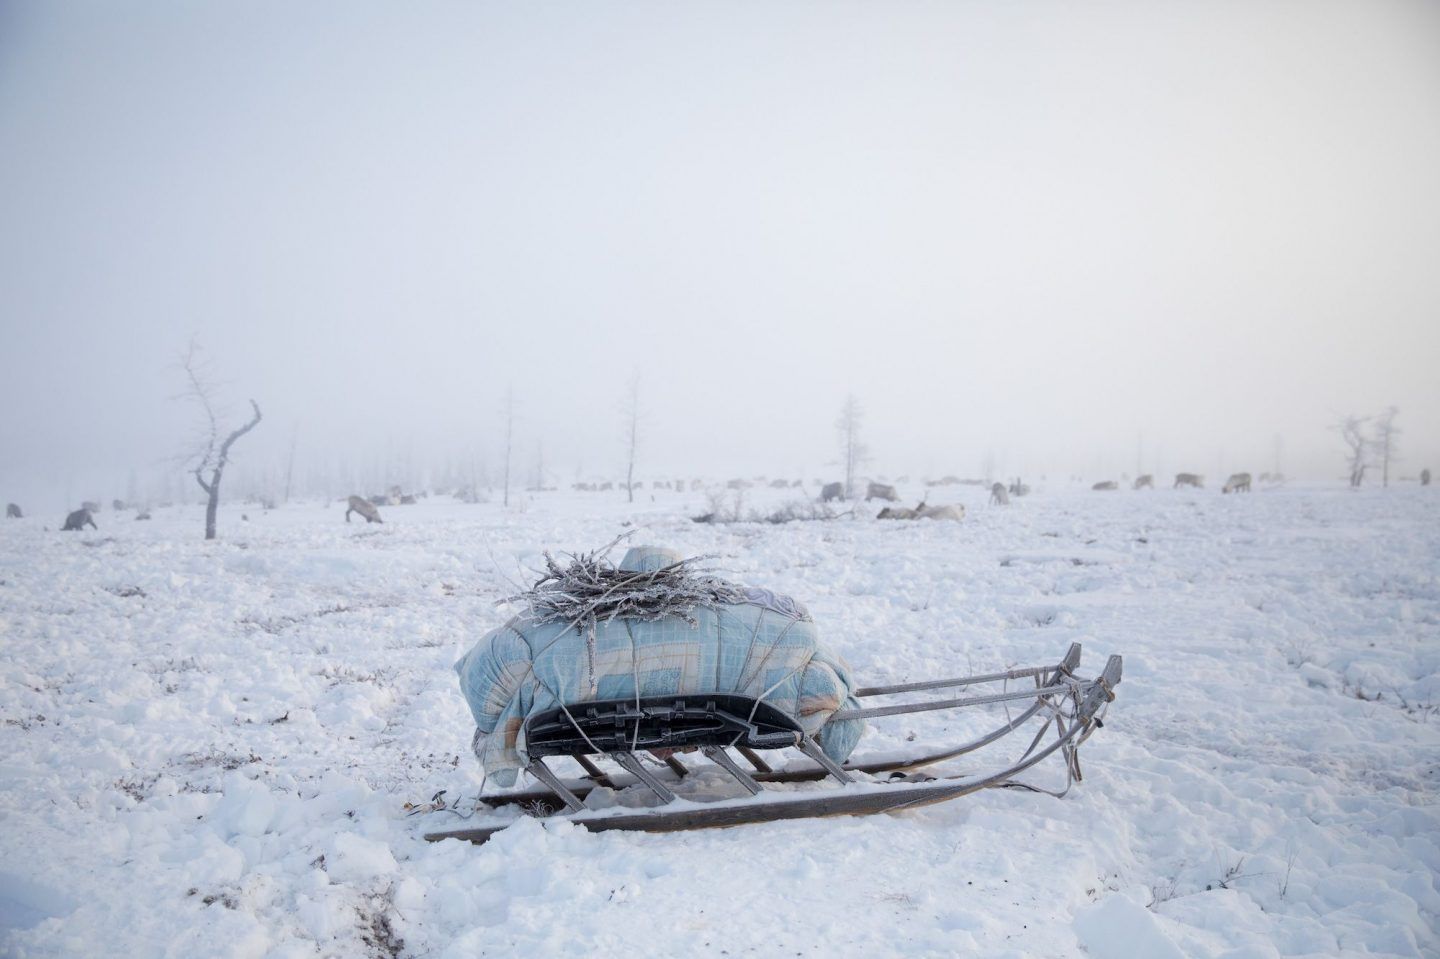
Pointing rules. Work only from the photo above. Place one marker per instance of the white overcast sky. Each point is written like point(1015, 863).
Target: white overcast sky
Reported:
point(1046, 235)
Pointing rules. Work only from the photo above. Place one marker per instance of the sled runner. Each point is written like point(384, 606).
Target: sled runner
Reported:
point(620, 731)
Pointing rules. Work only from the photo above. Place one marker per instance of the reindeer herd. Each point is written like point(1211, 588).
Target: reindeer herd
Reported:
point(367, 508)
point(1237, 483)
point(1001, 494)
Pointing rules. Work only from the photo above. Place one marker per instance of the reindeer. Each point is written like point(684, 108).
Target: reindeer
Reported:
point(998, 495)
point(12, 511)
point(1189, 479)
point(78, 520)
point(921, 511)
point(1237, 483)
point(881, 491)
point(1145, 481)
point(1018, 488)
point(1106, 485)
point(359, 504)
point(832, 491)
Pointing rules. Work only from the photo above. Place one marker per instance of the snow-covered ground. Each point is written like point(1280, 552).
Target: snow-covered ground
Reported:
point(207, 748)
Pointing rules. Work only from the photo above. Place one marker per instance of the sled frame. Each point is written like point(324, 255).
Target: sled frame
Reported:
point(1071, 706)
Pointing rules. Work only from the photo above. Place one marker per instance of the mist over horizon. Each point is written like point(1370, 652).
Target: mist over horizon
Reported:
point(1037, 239)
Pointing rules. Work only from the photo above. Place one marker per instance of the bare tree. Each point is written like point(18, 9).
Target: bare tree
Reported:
point(1352, 433)
point(1384, 442)
point(214, 453)
point(509, 410)
point(290, 462)
point(852, 452)
point(632, 431)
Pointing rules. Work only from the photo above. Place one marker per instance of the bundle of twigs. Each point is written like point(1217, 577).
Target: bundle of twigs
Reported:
point(589, 589)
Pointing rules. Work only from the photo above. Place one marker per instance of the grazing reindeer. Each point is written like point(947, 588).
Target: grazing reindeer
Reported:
point(1145, 482)
point(1189, 479)
point(359, 504)
point(881, 491)
point(1106, 485)
point(832, 491)
point(998, 495)
point(78, 520)
point(1237, 483)
point(12, 511)
point(1018, 488)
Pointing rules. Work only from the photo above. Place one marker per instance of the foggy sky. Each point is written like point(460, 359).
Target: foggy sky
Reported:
point(1039, 236)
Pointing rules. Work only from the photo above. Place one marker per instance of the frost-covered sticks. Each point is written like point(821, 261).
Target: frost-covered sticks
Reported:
point(589, 590)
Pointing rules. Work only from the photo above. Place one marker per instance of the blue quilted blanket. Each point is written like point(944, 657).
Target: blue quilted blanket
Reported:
point(760, 645)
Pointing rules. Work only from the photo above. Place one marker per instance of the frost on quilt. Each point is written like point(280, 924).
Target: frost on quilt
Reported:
point(593, 631)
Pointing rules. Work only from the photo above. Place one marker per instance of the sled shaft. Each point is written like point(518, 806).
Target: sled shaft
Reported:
point(872, 712)
point(1065, 666)
point(865, 691)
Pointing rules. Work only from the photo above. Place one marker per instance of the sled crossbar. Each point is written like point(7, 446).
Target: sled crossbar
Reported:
point(660, 722)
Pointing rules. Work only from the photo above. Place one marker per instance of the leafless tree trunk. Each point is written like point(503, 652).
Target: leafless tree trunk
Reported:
point(539, 483)
point(215, 453)
point(1352, 433)
point(1385, 443)
point(509, 437)
point(632, 429)
point(852, 451)
point(290, 463)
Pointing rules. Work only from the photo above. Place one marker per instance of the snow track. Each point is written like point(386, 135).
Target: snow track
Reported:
point(206, 748)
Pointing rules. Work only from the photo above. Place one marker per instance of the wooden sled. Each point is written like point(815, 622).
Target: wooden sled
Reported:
point(713, 725)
